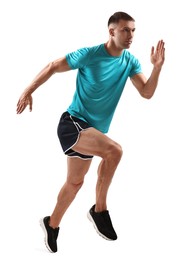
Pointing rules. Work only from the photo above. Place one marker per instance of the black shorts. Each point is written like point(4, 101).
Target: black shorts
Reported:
point(68, 130)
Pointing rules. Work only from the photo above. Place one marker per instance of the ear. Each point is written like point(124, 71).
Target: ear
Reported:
point(111, 32)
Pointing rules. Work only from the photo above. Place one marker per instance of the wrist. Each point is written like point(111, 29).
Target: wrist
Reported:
point(157, 68)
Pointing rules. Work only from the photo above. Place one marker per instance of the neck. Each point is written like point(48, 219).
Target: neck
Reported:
point(112, 49)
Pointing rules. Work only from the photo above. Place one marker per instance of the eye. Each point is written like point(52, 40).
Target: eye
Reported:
point(126, 30)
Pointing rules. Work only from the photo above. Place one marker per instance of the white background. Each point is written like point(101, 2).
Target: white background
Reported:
point(146, 197)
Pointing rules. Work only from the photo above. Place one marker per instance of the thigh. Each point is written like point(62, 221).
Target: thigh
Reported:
point(93, 142)
point(77, 169)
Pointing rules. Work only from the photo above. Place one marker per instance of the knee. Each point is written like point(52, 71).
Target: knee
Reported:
point(117, 151)
point(75, 185)
point(114, 152)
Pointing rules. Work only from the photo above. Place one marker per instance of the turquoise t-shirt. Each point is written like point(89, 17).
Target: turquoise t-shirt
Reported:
point(100, 82)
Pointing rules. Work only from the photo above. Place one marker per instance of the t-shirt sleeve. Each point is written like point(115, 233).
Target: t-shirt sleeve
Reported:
point(78, 59)
point(136, 67)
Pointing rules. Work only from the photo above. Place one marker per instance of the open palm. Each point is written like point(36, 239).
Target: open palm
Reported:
point(158, 54)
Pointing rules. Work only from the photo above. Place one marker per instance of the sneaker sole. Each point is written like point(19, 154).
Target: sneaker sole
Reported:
point(46, 236)
point(99, 233)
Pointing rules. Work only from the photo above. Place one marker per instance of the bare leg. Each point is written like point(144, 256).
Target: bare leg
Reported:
point(105, 176)
point(77, 168)
point(93, 142)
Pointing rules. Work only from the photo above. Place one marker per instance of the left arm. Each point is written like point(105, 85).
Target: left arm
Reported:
point(146, 87)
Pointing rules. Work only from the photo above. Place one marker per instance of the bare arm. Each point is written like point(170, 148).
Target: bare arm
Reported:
point(59, 65)
point(146, 87)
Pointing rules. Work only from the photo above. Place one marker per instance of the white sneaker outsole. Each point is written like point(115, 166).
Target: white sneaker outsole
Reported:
point(99, 233)
point(46, 235)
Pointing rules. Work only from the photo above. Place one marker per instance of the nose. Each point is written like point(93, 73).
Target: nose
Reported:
point(131, 34)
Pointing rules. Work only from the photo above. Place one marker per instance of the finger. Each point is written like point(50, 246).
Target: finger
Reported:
point(152, 50)
point(30, 104)
point(160, 45)
point(20, 109)
point(18, 103)
point(163, 52)
point(163, 46)
point(21, 106)
point(21, 101)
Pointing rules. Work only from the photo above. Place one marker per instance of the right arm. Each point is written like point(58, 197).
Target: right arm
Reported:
point(59, 65)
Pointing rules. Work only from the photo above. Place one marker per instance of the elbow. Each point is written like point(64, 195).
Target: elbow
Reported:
point(51, 68)
point(148, 91)
point(147, 95)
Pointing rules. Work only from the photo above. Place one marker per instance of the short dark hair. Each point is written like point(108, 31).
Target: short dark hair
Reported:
point(120, 16)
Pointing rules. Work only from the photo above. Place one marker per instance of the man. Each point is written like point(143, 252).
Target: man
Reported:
point(102, 74)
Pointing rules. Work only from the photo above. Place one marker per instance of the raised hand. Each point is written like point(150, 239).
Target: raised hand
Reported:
point(158, 55)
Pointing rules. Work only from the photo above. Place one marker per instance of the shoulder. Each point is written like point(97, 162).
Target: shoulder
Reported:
point(86, 50)
point(81, 56)
point(130, 56)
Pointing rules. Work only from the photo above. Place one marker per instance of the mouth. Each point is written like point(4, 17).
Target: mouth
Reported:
point(128, 42)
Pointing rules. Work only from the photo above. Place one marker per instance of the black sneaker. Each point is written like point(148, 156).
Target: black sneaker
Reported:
point(102, 223)
point(51, 234)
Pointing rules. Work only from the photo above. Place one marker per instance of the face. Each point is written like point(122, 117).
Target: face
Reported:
point(122, 34)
